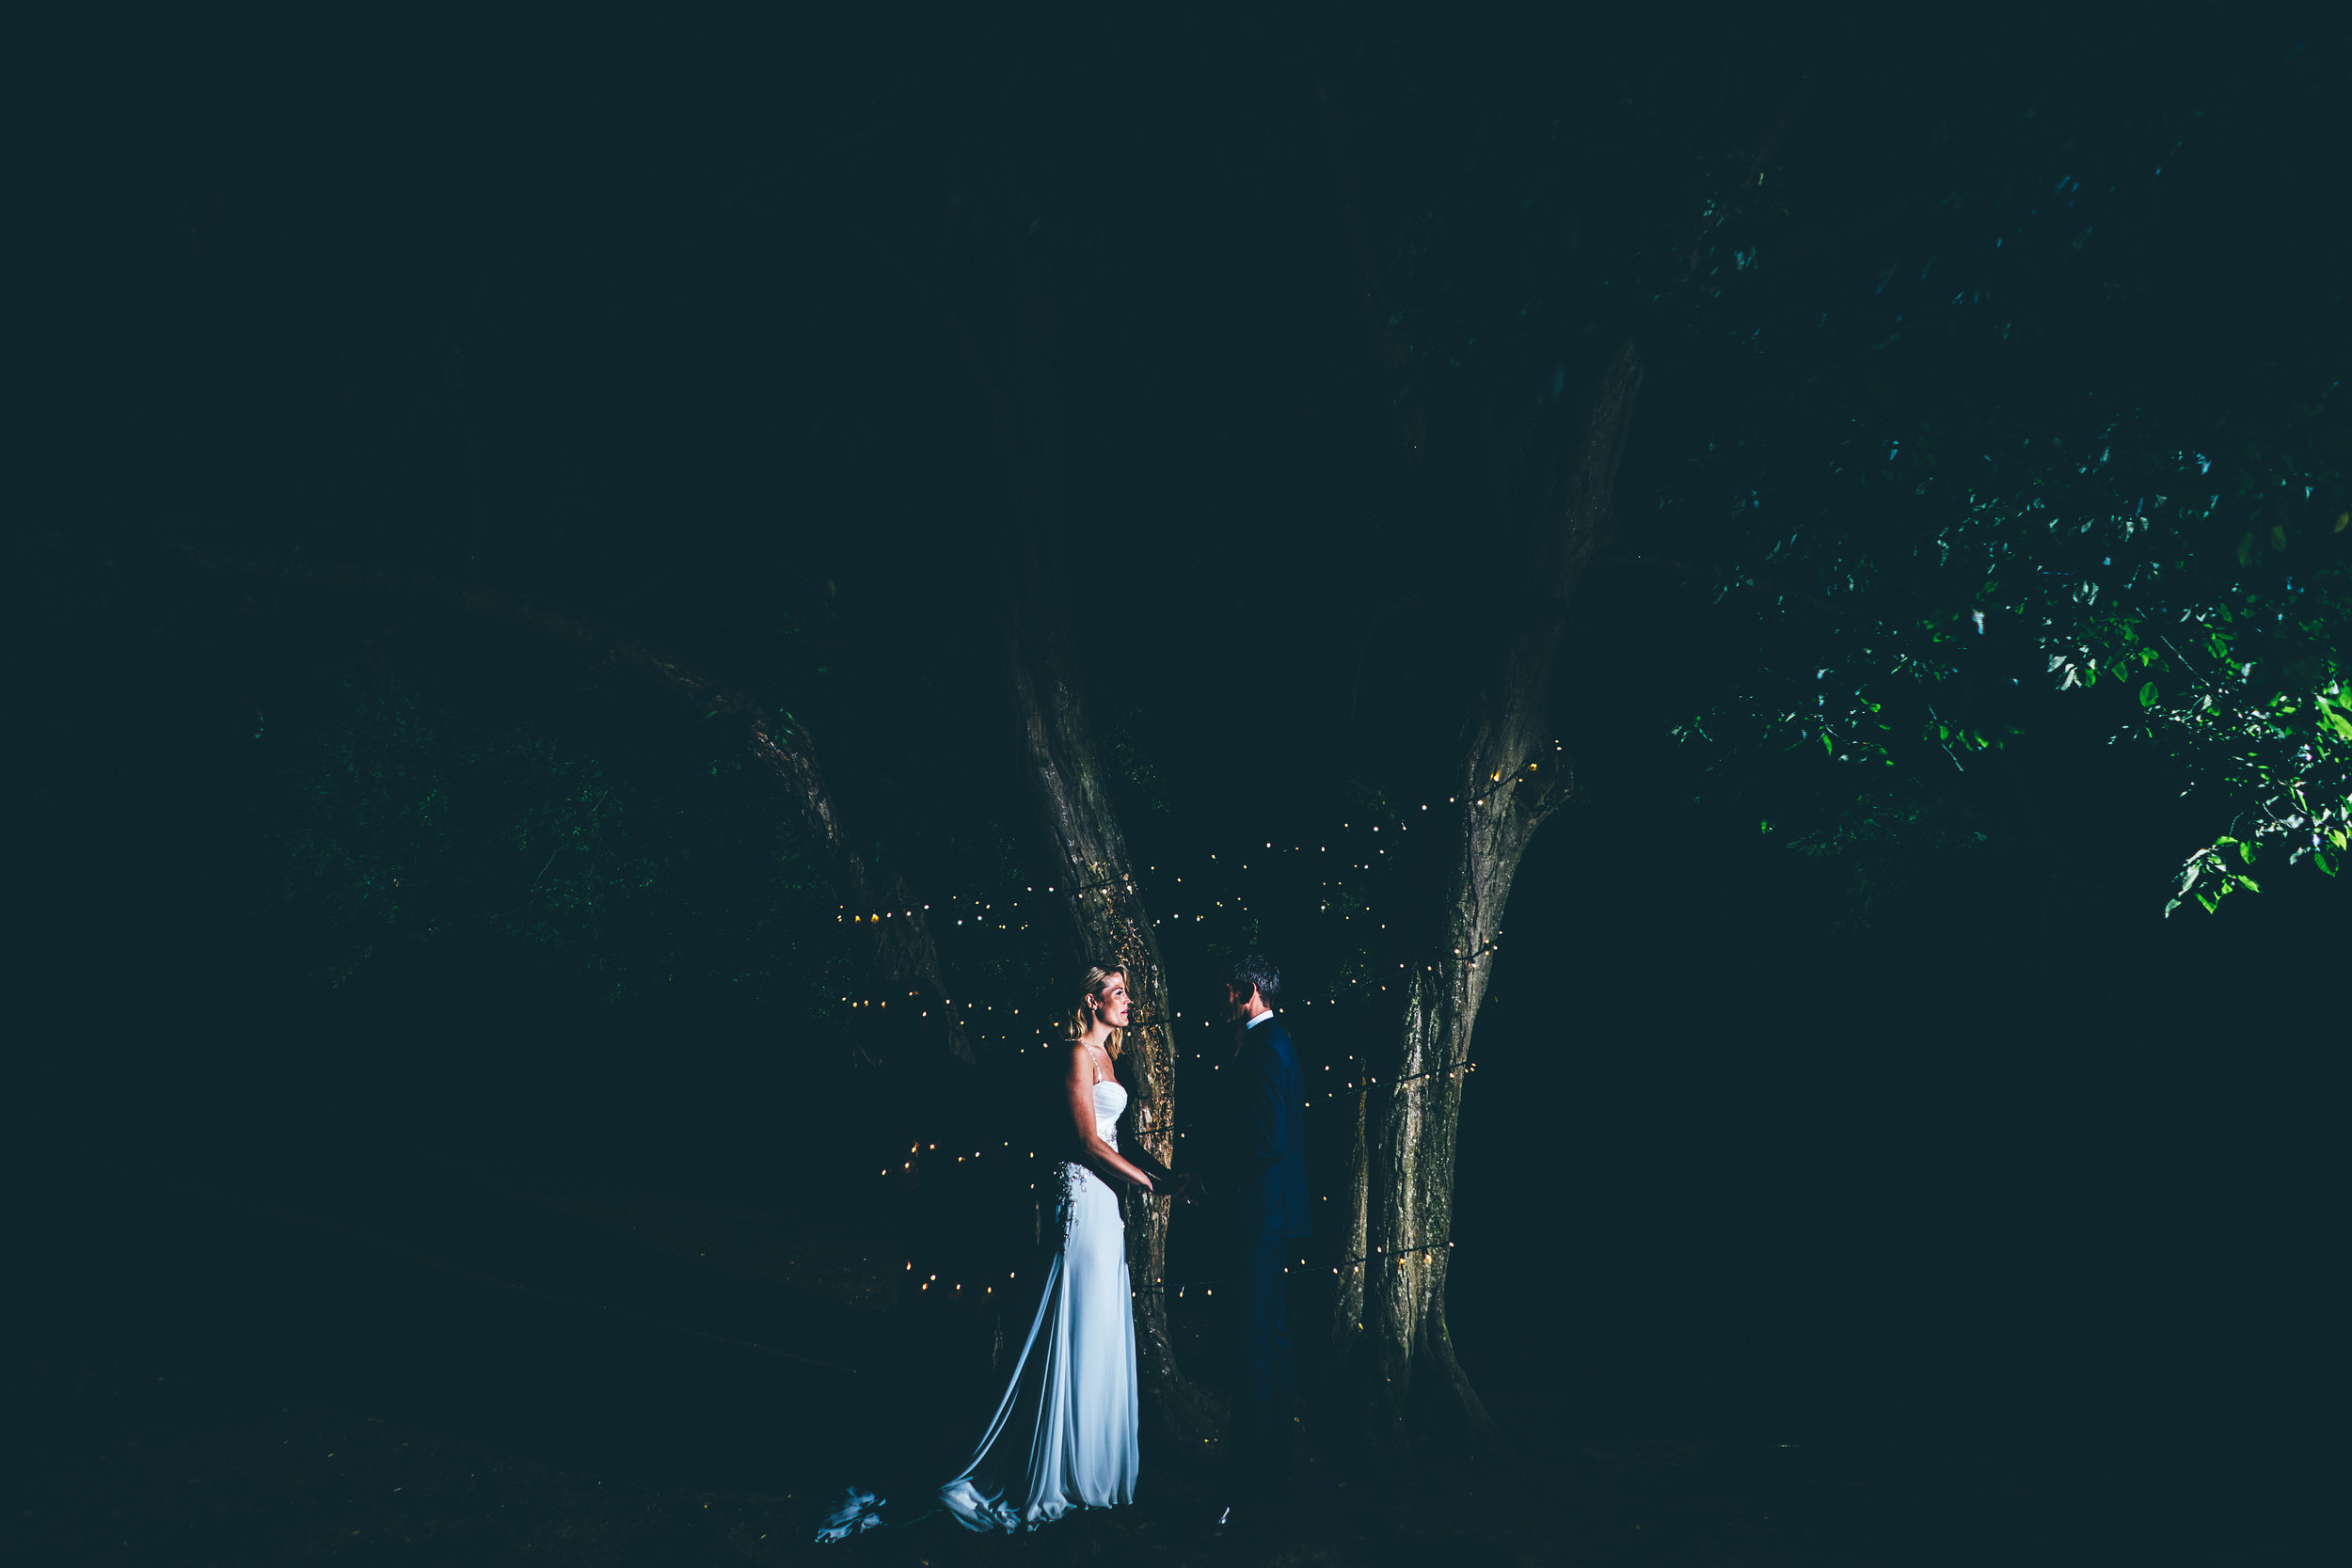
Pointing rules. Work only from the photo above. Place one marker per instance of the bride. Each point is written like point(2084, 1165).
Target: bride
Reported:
point(1064, 1434)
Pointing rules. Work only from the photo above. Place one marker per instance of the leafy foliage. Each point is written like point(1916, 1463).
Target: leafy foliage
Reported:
point(411, 826)
point(2044, 475)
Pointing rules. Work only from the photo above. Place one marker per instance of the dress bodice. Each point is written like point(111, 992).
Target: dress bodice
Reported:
point(1110, 1099)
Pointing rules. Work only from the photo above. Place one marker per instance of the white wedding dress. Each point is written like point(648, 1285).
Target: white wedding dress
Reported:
point(1064, 1435)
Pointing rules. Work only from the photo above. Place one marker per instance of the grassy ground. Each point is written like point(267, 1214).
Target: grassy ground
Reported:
point(440, 1365)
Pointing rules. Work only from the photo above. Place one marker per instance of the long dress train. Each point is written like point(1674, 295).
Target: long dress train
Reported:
point(1064, 1435)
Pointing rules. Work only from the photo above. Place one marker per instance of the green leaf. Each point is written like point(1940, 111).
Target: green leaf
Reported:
point(2149, 695)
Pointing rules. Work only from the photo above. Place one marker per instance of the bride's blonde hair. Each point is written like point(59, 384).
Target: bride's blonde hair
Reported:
point(1081, 1017)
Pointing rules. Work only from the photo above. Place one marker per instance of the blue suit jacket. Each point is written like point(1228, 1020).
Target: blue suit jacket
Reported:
point(1260, 1174)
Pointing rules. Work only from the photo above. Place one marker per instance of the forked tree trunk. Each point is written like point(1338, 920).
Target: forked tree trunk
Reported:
point(1555, 477)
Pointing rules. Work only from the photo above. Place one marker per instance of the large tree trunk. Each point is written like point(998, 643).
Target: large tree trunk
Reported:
point(1555, 477)
point(903, 958)
point(1096, 874)
point(1552, 473)
point(1113, 929)
point(1063, 773)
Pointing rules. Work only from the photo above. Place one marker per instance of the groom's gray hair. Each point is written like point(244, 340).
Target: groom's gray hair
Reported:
point(1256, 969)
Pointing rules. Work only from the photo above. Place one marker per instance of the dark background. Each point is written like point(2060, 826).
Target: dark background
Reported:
point(2010, 1203)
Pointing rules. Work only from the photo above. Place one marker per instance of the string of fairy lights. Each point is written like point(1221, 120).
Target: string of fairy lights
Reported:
point(975, 911)
point(917, 1149)
point(1208, 1285)
point(1012, 912)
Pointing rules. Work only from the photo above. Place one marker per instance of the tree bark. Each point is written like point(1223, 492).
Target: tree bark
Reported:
point(1094, 872)
point(1062, 772)
point(903, 954)
point(1552, 473)
point(1554, 479)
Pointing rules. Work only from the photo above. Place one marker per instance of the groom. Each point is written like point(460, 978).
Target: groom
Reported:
point(1256, 1188)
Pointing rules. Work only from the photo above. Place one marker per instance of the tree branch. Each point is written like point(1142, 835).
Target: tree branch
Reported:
point(1391, 353)
point(1712, 217)
point(904, 951)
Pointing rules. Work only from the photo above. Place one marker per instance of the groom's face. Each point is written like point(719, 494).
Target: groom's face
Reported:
point(1237, 1003)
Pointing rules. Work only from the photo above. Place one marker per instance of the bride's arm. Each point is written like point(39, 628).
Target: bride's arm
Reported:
point(1161, 1176)
point(1098, 1156)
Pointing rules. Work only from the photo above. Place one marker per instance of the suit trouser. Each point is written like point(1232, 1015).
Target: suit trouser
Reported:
point(1258, 1446)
